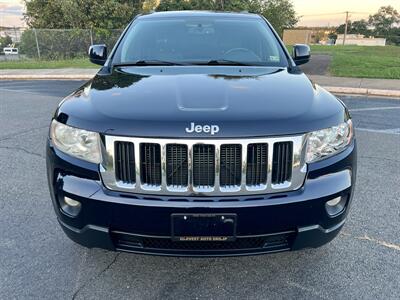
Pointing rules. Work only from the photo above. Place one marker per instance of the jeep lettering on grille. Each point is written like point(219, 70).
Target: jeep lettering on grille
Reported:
point(213, 129)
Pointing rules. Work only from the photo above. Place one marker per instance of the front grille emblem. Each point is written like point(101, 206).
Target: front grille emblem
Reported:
point(212, 129)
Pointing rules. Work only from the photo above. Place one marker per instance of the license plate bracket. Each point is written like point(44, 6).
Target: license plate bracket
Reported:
point(203, 227)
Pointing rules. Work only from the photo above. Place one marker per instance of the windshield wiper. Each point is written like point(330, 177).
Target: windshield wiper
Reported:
point(153, 62)
point(222, 62)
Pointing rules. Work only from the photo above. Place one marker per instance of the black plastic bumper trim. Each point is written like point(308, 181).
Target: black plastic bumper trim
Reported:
point(93, 236)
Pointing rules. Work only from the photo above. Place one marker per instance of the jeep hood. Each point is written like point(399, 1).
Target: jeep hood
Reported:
point(163, 101)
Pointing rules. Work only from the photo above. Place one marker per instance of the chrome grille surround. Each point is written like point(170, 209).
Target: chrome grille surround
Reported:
point(299, 167)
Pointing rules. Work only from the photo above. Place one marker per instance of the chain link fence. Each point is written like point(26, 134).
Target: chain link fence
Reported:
point(57, 44)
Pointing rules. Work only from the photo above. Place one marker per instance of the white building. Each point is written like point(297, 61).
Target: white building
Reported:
point(360, 40)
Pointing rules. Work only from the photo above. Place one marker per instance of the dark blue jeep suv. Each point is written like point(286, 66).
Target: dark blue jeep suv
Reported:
point(200, 136)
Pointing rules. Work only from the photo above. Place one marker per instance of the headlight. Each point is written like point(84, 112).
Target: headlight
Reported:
point(327, 142)
point(76, 142)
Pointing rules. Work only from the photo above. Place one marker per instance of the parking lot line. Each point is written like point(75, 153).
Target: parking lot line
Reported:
point(365, 237)
point(375, 108)
point(387, 131)
point(19, 91)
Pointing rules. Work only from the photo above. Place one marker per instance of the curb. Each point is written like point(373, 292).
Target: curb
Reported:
point(332, 89)
point(363, 91)
point(46, 77)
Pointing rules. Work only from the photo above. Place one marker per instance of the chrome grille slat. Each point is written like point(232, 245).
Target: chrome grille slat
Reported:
point(213, 167)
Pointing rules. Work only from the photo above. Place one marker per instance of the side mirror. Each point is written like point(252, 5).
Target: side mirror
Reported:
point(98, 54)
point(301, 54)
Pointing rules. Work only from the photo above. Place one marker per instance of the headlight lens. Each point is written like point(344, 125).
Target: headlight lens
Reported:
point(76, 142)
point(327, 142)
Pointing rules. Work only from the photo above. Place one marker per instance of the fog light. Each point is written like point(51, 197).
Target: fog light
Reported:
point(335, 206)
point(334, 202)
point(70, 206)
point(71, 202)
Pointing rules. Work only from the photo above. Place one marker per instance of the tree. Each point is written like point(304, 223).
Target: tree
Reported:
point(332, 36)
point(356, 27)
point(360, 27)
point(384, 20)
point(149, 5)
point(5, 41)
point(253, 6)
point(80, 13)
point(168, 5)
point(219, 5)
point(394, 36)
point(341, 28)
point(383, 24)
point(280, 13)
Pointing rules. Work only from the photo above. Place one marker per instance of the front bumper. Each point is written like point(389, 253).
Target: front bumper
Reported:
point(142, 224)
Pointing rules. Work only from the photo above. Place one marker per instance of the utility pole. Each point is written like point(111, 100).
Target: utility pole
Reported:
point(91, 36)
point(37, 43)
point(345, 28)
point(16, 36)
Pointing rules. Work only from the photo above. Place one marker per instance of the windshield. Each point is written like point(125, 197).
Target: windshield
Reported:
point(197, 40)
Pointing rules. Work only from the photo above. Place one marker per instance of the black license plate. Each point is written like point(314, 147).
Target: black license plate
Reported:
point(203, 227)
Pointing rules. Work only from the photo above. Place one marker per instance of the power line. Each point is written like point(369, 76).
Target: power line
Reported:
point(337, 13)
point(345, 27)
point(327, 14)
point(11, 10)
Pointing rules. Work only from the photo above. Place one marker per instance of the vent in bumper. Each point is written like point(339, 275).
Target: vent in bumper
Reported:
point(273, 242)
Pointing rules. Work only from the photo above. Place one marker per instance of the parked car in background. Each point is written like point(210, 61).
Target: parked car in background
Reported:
point(10, 51)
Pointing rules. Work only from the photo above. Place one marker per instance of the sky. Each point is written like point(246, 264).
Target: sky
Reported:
point(11, 13)
point(331, 12)
point(312, 12)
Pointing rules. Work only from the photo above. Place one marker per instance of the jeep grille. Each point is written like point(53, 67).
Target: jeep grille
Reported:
point(206, 167)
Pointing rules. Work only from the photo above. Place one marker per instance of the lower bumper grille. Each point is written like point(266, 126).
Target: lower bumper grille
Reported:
point(129, 242)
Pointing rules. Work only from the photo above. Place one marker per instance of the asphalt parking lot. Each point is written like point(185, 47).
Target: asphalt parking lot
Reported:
point(38, 261)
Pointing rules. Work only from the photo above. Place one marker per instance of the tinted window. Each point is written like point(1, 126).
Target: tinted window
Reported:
point(201, 39)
